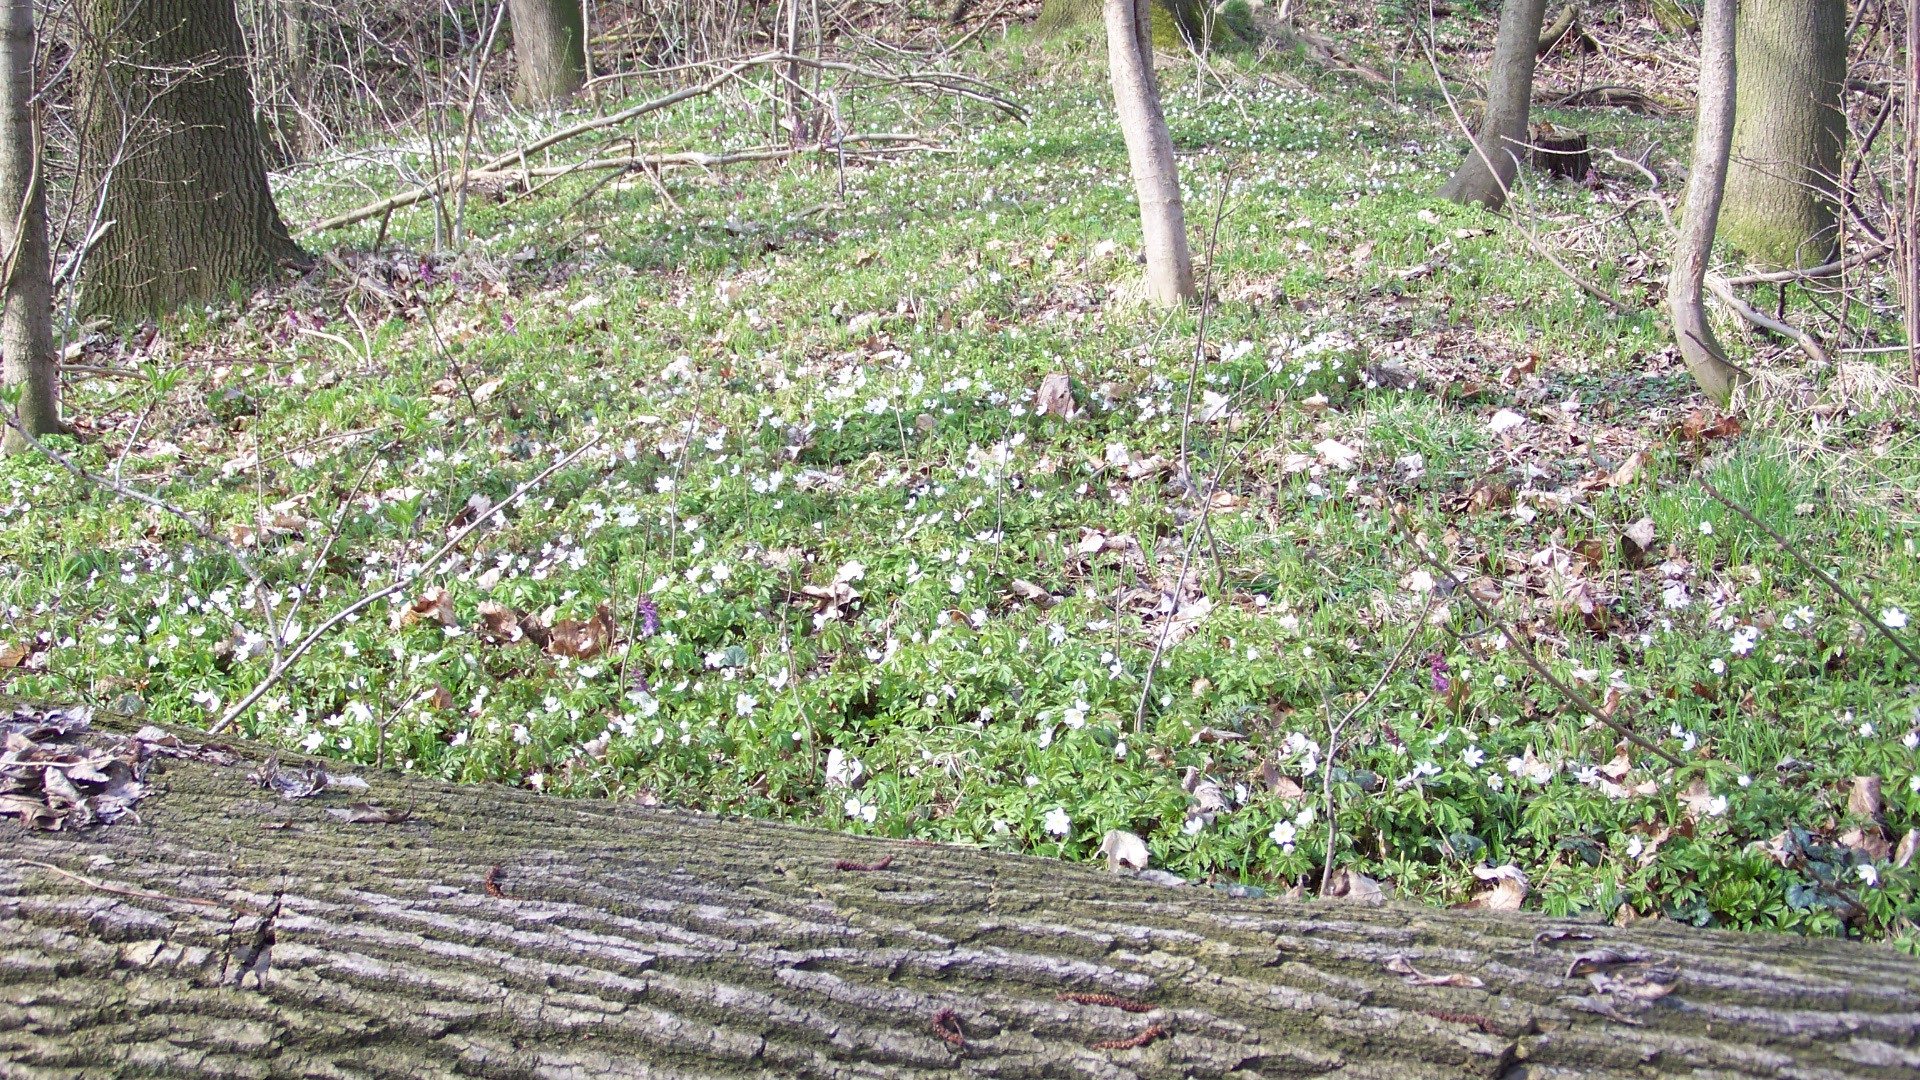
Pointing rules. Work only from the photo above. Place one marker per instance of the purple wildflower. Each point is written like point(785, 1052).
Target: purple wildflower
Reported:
point(1441, 684)
point(506, 320)
point(649, 617)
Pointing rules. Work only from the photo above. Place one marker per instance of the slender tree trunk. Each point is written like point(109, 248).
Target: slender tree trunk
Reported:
point(294, 19)
point(167, 122)
point(1788, 131)
point(550, 45)
point(1487, 173)
point(1693, 246)
point(26, 325)
point(499, 933)
point(1909, 235)
point(1156, 177)
point(1174, 20)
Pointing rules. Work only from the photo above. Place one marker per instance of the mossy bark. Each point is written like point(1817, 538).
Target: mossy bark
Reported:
point(1175, 22)
point(1788, 131)
point(168, 129)
point(500, 933)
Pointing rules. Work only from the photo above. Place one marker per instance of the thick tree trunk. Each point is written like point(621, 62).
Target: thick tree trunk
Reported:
point(26, 324)
point(503, 934)
point(1788, 131)
point(1487, 172)
point(1693, 245)
point(550, 48)
point(1156, 177)
point(167, 125)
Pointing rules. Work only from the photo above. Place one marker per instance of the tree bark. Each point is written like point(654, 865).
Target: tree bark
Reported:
point(1491, 163)
point(1788, 131)
point(26, 323)
point(1156, 177)
point(550, 46)
point(168, 127)
point(1175, 21)
point(1693, 243)
point(504, 934)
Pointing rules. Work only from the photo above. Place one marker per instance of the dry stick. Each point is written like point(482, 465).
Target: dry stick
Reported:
point(1200, 332)
point(1718, 286)
point(434, 187)
point(1513, 216)
point(137, 496)
point(959, 85)
point(279, 671)
point(1527, 654)
point(1825, 577)
point(1873, 254)
point(1333, 737)
point(143, 894)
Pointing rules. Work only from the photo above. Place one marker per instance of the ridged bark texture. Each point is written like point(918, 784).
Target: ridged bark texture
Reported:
point(1788, 131)
point(167, 124)
point(1487, 172)
point(549, 48)
point(1693, 242)
point(1156, 176)
point(26, 324)
point(503, 934)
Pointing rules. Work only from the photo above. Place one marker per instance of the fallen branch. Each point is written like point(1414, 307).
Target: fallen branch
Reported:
point(1718, 286)
point(958, 85)
point(1873, 254)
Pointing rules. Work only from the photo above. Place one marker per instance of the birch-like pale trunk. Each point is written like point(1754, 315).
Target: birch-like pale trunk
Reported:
point(1693, 246)
point(1156, 178)
point(1486, 175)
point(26, 326)
point(499, 933)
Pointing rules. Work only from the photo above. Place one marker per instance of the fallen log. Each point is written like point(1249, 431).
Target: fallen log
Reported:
point(481, 930)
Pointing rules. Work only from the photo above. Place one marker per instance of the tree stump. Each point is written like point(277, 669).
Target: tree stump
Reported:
point(1561, 151)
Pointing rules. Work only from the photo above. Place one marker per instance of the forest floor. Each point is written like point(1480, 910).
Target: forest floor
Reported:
point(835, 549)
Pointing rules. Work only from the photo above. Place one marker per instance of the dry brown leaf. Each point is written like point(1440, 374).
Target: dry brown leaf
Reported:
point(1401, 966)
point(1865, 799)
point(1509, 889)
point(582, 640)
point(12, 656)
point(1124, 850)
point(1869, 840)
point(1636, 544)
point(499, 624)
point(436, 604)
point(1336, 455)
point(1909, 844)
point(1355, 887)
point(1055, 397)
point(1629, 470)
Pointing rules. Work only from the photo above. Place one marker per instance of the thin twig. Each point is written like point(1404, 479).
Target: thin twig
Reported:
point(143, 894)
point(1533, 661)
point(1826, 578)
point(280, 670)
point(1334, 730)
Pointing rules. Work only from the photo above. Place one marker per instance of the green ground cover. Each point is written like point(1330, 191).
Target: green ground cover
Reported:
point(855, 574)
